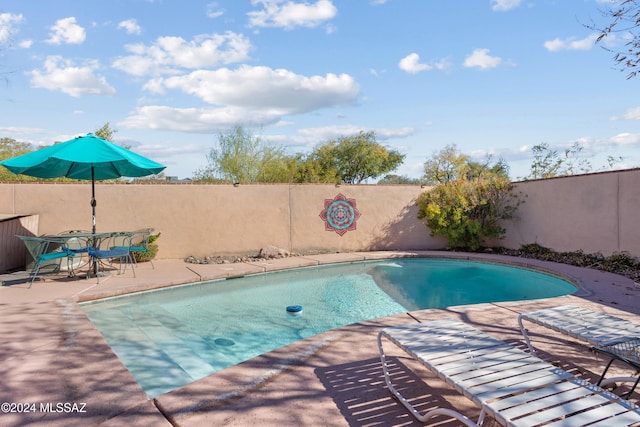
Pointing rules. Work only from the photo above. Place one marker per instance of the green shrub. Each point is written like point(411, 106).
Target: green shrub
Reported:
point(151, 254)
point(467, 212)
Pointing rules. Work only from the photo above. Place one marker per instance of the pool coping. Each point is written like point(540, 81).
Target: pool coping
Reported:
point(53, 353)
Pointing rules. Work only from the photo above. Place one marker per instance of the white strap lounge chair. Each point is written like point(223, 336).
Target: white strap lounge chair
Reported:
point(607, 334)
point(511, 385)
point(597, 329)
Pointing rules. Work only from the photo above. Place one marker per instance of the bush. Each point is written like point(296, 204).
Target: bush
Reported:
point(621, 263)
point(152, 250)
point(467, 212)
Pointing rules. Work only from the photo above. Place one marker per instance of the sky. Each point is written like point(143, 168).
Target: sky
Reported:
point(493, 77)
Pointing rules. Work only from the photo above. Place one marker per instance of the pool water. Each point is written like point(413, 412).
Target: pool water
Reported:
point(174, 336)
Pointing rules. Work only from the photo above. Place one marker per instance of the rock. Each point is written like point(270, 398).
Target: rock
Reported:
point(269, 252)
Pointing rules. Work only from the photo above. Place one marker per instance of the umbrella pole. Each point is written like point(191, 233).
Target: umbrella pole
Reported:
point(93, 216)
point(93, 199)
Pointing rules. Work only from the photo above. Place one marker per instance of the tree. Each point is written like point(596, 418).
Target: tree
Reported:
point(546, 162)
point(9, 148)
point(470, 200)
point(449, 164)
point(398, 179)
point(549, 163)
point(308, 168)
point(625, 19)
point(487, 169)
point(354, 159)
point(105, 132)
point(445, 165)
point(242, 157)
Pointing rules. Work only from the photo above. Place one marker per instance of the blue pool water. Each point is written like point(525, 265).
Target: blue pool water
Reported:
point(172, 337)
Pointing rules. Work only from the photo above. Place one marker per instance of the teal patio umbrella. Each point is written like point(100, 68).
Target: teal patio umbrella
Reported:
point(87, 158)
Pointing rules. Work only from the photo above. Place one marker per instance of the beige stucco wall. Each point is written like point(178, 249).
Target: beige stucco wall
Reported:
point(595, 213)
point(200, 219)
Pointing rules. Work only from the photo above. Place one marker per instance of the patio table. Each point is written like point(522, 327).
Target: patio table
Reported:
point(92, 242)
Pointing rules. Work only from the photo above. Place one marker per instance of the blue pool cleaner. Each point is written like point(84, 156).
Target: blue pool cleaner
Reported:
point(294, 310)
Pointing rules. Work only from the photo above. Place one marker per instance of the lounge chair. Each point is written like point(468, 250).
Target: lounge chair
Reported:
point(595, 328)
point(607, 334)
point(514, 387)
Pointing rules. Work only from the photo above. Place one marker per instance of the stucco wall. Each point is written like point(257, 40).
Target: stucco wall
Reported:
point(200, 220)
point(595, 213)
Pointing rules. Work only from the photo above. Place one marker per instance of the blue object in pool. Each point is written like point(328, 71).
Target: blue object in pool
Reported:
point(224, 342)
point(295, 310)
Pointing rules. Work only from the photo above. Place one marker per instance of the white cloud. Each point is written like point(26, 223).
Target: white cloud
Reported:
point(168, 54)
point(626, 139)
point(630, 114)
point(130, 26)
point(248, 95)
point(331, 132)
point(309, 137)
point(289, 14)
point(21, 130)
point(214, 10)
point(66, 31)
point(503, 5)
point(263, 87)
point(7, 25)
point(480, 58)
point(196, 120)
point(411, 64)
point(63, 75)
point(556, 45)
point(25, 44)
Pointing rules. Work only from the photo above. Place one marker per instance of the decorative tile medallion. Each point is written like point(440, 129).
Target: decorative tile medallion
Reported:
point(340, 214)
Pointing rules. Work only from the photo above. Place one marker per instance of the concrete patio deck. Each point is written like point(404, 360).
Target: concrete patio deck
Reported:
point(51, 354)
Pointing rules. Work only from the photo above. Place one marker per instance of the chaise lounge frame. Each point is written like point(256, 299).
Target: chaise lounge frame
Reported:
point(597, 329)
point(515, 387)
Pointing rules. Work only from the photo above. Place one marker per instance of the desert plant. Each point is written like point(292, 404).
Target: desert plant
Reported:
point(467, 212)
point(621, 263)
point(152, 250)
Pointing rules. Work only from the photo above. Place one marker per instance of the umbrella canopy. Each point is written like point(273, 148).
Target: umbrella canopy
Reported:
point(85, 157)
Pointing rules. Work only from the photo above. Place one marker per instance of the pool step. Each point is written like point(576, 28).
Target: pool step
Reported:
point(185, 354)
point(158, 359)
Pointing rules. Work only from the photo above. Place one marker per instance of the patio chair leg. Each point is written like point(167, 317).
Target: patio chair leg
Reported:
point(33, 277)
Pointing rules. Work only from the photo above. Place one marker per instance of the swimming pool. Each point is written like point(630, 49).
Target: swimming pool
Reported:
point(171, 337)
